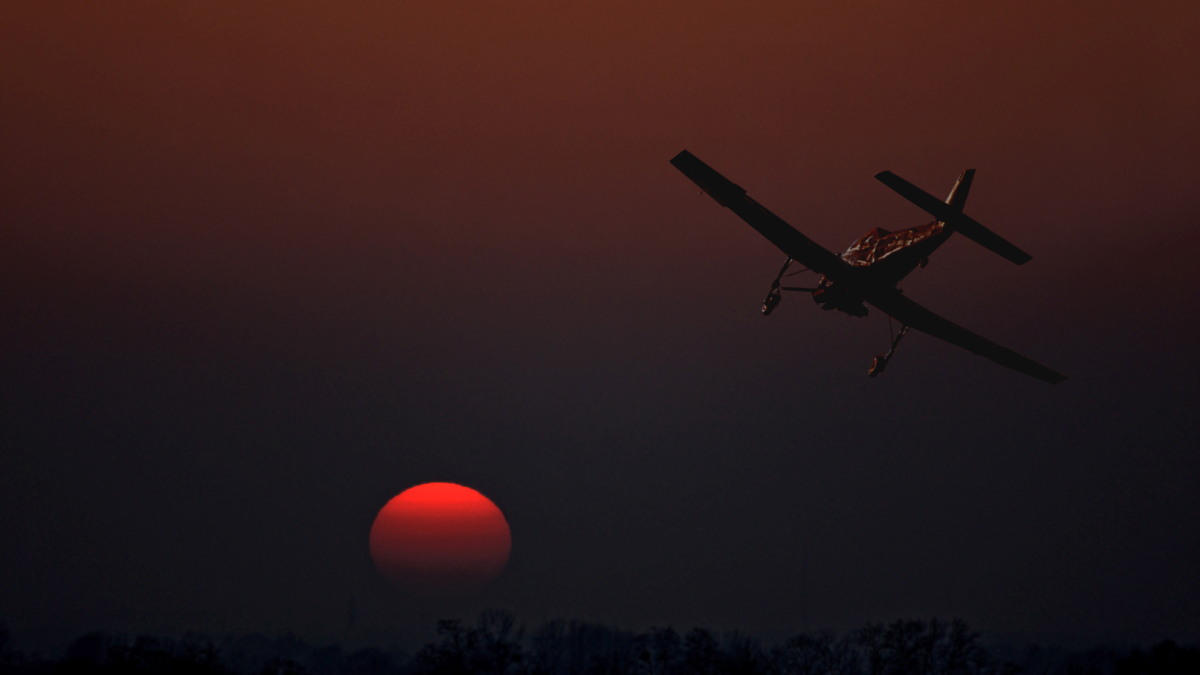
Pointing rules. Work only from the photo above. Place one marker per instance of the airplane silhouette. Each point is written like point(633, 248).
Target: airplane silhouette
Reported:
point(870, 269)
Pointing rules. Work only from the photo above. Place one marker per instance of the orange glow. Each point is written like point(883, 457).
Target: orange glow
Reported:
point(440, 539)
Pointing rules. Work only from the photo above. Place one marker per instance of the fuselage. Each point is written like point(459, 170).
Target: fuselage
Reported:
point(880, 259)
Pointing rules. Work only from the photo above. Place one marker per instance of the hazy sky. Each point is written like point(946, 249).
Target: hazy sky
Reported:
point(265, 265)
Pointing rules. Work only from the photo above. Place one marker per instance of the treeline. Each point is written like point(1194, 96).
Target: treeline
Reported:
point(495, 644)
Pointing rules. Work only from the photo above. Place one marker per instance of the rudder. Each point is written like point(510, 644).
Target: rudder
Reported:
point(958, 194)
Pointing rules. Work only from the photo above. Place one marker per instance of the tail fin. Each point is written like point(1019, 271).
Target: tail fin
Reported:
point(958, 193)
point(950, 213)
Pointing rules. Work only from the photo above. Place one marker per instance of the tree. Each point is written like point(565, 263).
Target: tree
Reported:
point(498, 643)
point(1165, 658)
point(743, 655)
point(491, 647)
point(701, 653)
point(661, 651)
point(816, 654)
point(920, 648)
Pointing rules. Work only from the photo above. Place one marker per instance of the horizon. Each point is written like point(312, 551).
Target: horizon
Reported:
point(1055, 651)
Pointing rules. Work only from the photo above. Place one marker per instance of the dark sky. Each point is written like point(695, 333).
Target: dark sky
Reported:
point(265, 265)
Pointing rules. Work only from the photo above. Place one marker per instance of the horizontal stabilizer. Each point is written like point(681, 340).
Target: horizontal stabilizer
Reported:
point(927, 202)
point(990, 240)
point(953, 217)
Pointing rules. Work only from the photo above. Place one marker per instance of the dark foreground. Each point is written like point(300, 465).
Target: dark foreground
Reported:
point(496, 645)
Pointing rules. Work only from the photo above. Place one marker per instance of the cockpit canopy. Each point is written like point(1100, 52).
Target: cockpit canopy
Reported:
point(879, 243)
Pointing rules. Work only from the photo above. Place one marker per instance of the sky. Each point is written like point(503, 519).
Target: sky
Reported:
point(263, 266)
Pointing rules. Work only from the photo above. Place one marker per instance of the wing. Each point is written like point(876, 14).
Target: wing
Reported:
point(911, 314)
point(797, 246)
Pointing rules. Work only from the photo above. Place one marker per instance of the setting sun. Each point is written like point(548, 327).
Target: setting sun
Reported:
point(440, 539)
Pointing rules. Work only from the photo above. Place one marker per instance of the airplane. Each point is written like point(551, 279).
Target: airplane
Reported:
point(870, 269)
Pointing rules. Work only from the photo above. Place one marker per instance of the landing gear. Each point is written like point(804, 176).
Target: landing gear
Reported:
point(776, 293)
point(881, 361)
point(772, 300)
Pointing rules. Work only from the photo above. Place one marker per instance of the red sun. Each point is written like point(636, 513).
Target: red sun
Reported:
point(440, 539)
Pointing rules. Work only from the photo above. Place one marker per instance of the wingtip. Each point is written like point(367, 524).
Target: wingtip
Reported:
point(1049, 375)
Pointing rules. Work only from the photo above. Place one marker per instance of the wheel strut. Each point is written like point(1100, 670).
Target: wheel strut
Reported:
point(776, 292)
point(775, 295)
point(881, 361)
